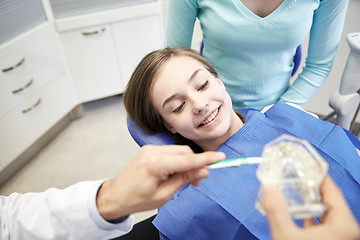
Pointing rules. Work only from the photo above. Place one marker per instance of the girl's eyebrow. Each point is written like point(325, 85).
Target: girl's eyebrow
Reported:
point(192, 77)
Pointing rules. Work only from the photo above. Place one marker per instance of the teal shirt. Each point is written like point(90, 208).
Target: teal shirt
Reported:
point(254, 55)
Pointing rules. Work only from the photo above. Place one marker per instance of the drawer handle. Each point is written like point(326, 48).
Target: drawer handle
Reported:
point(24, 87)
point(32, 107)
point(14, 66)
point(94, 32)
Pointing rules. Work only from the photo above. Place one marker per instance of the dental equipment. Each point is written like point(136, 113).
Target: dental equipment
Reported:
point(297, 169)
point(346, 101)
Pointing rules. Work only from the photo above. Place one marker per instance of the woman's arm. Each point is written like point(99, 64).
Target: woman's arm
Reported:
point(325, 33)
point(181, 16)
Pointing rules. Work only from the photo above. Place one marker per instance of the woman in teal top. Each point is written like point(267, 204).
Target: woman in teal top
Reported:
point(252, 44)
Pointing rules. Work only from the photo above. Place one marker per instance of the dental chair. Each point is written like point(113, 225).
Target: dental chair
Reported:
point(142, 137)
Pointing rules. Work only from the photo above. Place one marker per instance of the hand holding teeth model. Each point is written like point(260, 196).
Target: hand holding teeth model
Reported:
point(296, 168)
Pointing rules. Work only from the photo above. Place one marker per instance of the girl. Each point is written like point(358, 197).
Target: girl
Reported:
point(196, 107)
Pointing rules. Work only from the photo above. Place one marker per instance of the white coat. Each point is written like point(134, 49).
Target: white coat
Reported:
point(70, 213)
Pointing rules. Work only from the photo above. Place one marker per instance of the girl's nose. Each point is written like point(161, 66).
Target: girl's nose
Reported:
point(199, 103)
point(200, 108)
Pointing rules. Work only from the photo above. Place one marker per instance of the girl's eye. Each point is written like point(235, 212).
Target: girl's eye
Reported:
point(179, 108)
point(203, 86)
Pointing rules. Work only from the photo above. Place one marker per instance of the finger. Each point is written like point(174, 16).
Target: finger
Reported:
point(333, 197)
point(187, 162)
point(164, 150)
point(176, 181)
point(331, 193)
point(196, 183)
point(275, 206)
point(338, 207)
point(195, 178)
point(170, 149)
point(310, 222)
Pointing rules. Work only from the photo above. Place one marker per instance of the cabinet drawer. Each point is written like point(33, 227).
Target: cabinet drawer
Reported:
point(36, 48)
point(19, 91)
point(29, 121)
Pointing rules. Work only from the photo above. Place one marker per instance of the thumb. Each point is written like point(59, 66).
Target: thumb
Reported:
point(277, 212)
point(194, 177)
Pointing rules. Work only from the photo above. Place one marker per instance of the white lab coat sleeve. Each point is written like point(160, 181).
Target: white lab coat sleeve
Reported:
point(70, 213)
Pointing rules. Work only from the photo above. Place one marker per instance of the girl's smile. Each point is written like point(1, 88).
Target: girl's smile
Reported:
point(209, 120)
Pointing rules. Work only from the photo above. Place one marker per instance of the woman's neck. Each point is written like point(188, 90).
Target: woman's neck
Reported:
point(262, 8)
point(236, 125)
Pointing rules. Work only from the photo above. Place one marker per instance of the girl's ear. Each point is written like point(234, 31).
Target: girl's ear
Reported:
point(170, 128)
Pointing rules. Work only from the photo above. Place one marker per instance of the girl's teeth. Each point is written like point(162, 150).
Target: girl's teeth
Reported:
point(211, 117)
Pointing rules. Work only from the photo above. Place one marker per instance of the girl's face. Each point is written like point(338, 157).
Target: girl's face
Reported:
point(193, 103)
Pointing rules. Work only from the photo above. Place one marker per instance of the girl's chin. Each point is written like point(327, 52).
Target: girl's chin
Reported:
point(216, 134)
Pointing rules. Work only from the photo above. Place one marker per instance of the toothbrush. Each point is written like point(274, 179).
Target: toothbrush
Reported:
point(234, 162)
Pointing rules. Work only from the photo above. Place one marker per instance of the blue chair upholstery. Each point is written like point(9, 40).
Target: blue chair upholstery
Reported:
point(296, 59)
point(142, 137)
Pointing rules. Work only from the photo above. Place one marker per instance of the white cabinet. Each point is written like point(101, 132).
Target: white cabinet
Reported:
point(92, 61)
point(50, 65)
point(33, 117)
point(134, 38)
point(35, 92)
point(103, 48)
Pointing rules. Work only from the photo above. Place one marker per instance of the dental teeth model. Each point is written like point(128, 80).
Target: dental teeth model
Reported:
point(297, 169)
